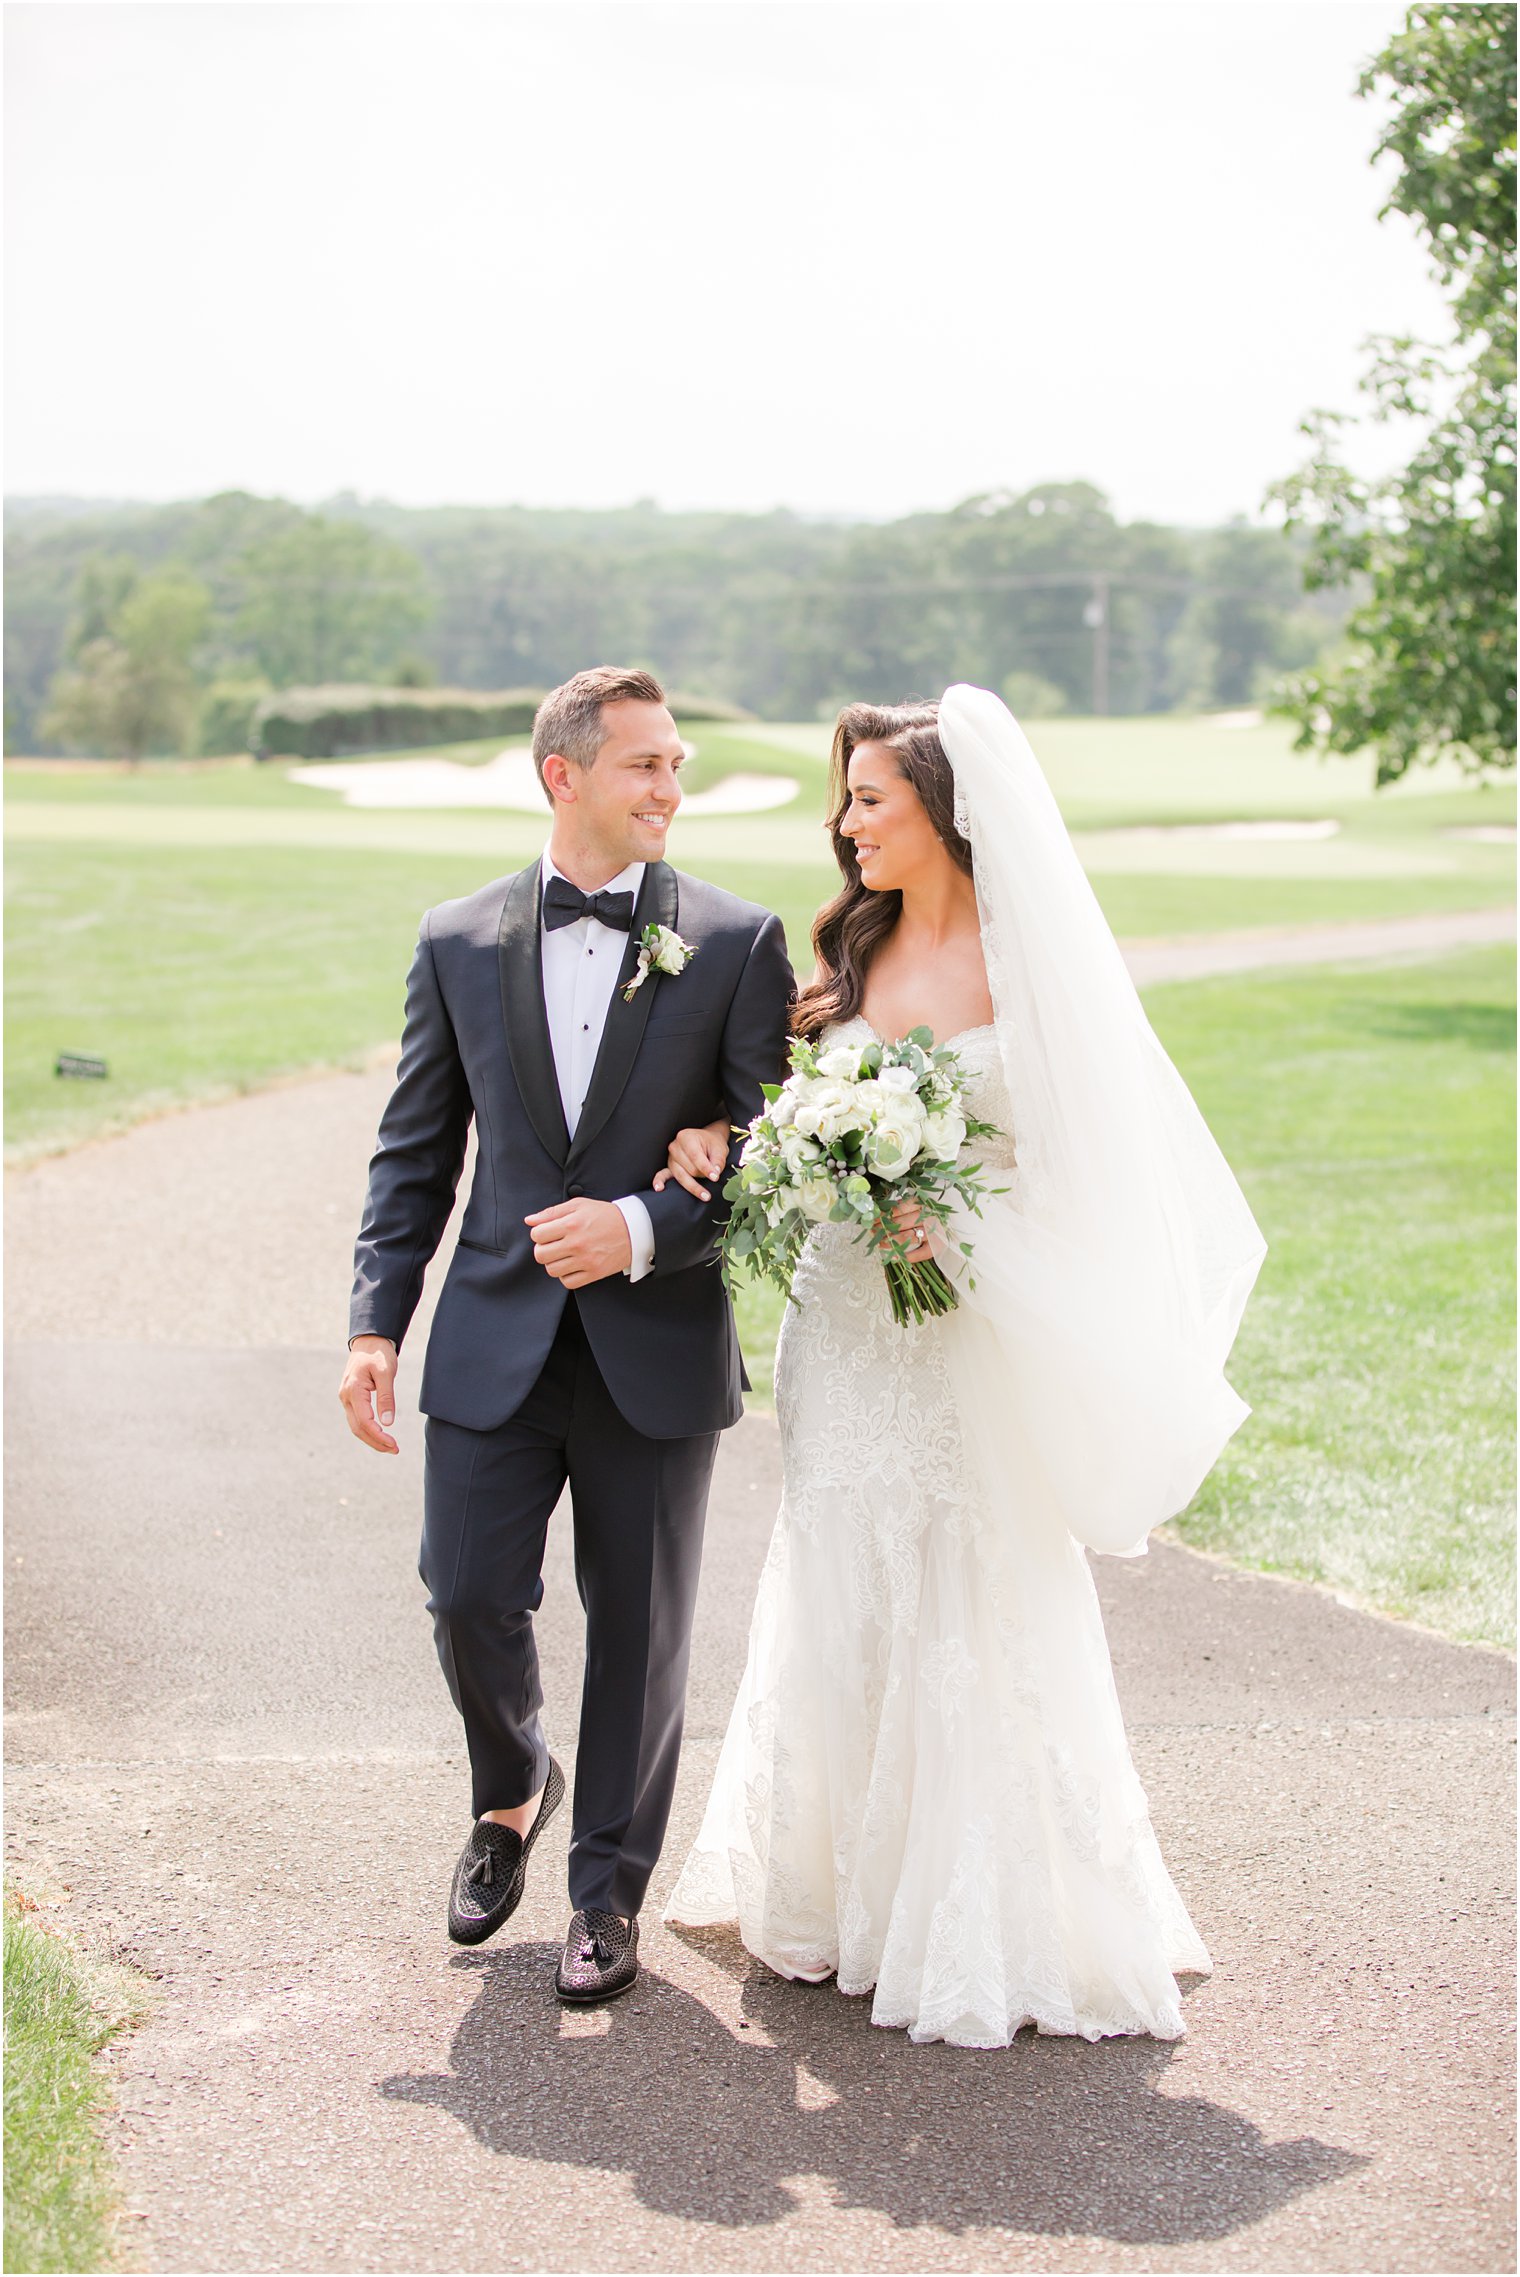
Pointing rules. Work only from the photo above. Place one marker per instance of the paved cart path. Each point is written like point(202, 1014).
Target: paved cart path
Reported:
point(231, 1754)
point(1198, 956)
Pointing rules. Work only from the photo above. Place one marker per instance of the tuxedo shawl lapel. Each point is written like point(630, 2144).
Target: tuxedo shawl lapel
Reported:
point(658, 904)
point(520, 956)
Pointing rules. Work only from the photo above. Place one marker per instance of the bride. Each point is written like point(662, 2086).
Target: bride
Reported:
point(926, 1790)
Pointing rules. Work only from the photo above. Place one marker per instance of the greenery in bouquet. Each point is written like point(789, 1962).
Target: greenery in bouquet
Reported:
point(856, 1130)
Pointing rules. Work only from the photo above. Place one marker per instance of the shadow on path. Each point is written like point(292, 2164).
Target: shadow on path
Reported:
point(1053, 2136)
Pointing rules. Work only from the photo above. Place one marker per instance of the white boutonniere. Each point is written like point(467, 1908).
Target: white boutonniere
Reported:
point(660, 950)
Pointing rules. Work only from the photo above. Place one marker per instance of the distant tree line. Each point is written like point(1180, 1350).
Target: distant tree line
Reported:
point(131, 628)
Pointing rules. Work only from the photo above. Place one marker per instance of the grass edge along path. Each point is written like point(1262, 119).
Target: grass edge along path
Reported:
point(62, 2196)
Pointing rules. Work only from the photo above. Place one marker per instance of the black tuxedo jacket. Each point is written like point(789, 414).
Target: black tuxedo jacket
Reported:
point(476, 1044)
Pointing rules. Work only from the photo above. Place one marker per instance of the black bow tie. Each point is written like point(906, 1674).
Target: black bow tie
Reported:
point(564, 903)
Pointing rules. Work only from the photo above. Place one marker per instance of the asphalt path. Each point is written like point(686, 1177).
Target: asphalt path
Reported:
point(232, 1760)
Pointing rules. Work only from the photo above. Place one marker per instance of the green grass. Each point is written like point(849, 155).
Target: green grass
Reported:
point(60, 2009)
point(197, 970)
point(200, 970)
point(1370, 1117)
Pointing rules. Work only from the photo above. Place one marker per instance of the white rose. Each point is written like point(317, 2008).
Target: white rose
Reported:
point(815, 1197)
point(784, 1110)
point(841, 1063)
point(895, 1137)
point(885, 1102)
point(898, 1079)
point(944, 1135)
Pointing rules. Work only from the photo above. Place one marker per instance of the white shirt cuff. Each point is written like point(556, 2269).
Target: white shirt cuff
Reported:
point(640, 1235)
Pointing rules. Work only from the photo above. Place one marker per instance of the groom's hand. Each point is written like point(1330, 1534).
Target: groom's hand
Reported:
point(582, 1241)
point(369, 1383)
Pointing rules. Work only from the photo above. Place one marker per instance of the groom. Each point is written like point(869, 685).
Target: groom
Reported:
point(583, 1333)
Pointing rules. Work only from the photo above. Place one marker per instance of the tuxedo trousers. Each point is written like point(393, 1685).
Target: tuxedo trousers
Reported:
point(639, 1506)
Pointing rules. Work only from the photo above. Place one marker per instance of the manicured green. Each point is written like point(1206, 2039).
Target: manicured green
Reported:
point(60, 2190)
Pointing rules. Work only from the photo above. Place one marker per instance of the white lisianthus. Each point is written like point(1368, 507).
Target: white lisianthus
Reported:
point(828, 1111)
point(841, 1064)
point(661, 949)
point(879, 1097)
point(671, 953)
point(815, 1197)
point(944, 1135)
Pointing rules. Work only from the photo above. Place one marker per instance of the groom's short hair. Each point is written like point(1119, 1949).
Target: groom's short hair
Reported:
point(569, 720)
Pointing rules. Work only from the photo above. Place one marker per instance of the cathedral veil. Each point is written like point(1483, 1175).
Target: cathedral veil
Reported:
point(1107, 1284)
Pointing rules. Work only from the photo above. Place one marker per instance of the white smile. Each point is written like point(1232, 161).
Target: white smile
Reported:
point(659, 820)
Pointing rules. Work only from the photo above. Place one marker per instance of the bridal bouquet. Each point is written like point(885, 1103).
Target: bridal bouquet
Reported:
point(855, 1130)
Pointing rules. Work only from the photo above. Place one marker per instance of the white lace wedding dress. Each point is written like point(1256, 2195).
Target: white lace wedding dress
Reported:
point(925, 1786)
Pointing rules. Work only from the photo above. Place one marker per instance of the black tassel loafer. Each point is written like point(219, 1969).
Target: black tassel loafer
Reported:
point(493, 1867)
point(601, 1958)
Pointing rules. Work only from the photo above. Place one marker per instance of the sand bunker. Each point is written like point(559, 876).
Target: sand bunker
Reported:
point(508, 781)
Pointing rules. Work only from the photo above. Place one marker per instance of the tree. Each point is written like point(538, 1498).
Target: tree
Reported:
point(327, 601)
point(131, 684)
point(105, 581)
point(1247, 623)
point(1427, 665)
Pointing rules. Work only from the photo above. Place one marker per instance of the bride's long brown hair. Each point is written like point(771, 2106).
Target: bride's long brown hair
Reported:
point(850, 930)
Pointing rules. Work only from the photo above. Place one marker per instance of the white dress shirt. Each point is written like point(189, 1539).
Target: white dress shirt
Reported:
point(581, 964)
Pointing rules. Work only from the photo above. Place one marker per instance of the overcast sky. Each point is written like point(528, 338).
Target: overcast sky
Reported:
point(841, 257)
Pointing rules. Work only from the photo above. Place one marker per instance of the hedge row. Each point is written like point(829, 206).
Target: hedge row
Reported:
point(338, 723)
point(688, 708)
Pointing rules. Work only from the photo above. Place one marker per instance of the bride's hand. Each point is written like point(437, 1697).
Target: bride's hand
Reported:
point(695, 1155)
point(922, 1239)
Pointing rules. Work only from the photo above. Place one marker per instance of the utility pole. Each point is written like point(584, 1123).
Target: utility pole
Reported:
point(1095, 617)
